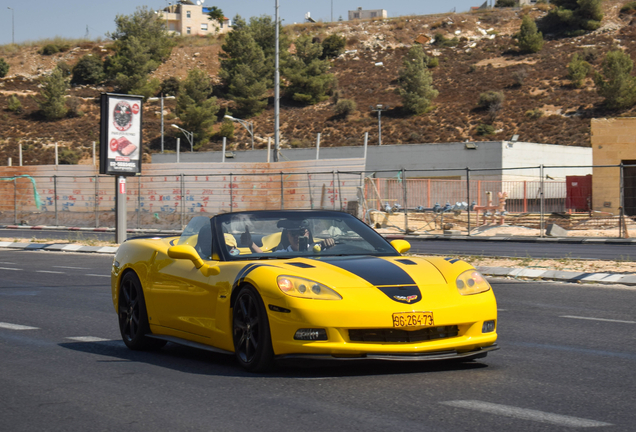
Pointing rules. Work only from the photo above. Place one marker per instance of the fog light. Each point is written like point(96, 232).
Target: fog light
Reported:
point(311, 334)
point(488, 327)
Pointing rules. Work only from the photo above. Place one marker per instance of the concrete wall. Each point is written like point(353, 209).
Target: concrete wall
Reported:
point(451, 159)
point(613, 140)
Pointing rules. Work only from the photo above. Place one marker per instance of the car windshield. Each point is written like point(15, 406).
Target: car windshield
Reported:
point(288, 234)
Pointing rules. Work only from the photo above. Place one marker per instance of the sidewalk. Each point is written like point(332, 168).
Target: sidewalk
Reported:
point(516, 273)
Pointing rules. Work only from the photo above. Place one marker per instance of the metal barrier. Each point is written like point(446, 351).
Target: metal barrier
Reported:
point(413, 201)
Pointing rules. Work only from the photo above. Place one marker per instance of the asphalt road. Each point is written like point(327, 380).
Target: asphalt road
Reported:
point(567, 358)
point(437, 247)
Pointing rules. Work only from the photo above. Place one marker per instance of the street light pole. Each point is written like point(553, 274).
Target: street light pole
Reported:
point(188, 135)
point(277, 91)
point(12, 25)
point(246, 124)
point(379, 108)
point(161, 98)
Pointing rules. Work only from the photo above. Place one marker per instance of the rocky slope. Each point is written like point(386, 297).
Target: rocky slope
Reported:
point(485, 59)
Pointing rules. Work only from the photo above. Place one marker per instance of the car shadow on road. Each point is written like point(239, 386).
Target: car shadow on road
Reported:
point(200, 362)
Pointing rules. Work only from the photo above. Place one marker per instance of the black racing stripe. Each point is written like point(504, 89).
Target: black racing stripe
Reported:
point(376, 271)
point(245, 271)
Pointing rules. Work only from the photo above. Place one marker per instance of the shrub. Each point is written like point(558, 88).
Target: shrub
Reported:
point(490, 99)
point(50, 49)
point(443, 42)
point(485, 129)
point(14, 104)
point(88, 70)
point(4, 68)
point(534, 113)
point(68, 156)
point(578, 69)
point(73, 104)
point(333, 46)
point(505, 3)
point(432, 62)
point(615, 83)
point(529, 39)
point(170, 86)
point(519, 77)
point(629, 8)
point(344, 107)
point(64, 67)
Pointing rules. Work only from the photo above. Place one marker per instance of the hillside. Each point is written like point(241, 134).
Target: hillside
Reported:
point(485, 59)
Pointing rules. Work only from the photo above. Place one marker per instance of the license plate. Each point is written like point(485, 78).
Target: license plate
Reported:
point(413, 319)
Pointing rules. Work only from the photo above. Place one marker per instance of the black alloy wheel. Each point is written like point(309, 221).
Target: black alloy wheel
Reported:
point(250, 327)
point(133, 318)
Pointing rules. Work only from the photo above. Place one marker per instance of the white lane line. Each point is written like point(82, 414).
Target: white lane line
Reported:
point(96, 275)
point(597, 319)
point(9, 268)
point(502, 310)
point(525, 414)
point(16, 326)
point(49, 271)
point(73, 268)
point(88, 339)
point(4, 262)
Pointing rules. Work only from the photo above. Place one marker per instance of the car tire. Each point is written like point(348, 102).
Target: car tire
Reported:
point(250, 330)
point(133, 317)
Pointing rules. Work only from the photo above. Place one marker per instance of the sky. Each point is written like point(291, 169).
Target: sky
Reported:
point(45, 19)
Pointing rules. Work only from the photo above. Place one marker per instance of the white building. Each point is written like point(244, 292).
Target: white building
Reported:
point(367, 14)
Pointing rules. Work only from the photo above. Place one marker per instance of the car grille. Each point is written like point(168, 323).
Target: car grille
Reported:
point(403, 336)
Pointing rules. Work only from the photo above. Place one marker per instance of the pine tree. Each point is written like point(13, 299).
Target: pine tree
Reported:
point(529, 39)
point(616, 84)
point(578, 69)
point(306, 73)
point(88, 70)
point(415, 82)
point(4, 68)
point(244, 71)
point(573, 17)
point(195, 108)
point(52, 100)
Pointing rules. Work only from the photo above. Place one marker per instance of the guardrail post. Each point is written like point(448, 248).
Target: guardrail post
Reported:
point(96, 200)
point(55, 198)
point(621, 202)
point(339, 190)
point(182, 200)
point(15, 201)
point(468, 196)
point(333, 190)
point(406, 202)
point(138, 201)
point(231, 195)
point(542, 203)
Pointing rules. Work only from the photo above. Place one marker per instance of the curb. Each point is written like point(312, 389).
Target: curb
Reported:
point(516, 273)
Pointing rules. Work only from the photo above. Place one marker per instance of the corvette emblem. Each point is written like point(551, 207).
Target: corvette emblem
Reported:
point(407, 299)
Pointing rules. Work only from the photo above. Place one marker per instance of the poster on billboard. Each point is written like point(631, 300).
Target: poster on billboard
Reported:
point(120, 136)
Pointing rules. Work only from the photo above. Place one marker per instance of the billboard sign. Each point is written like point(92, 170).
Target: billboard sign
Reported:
point(120, 134)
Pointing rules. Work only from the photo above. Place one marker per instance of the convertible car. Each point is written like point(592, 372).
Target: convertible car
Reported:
point(266, 285)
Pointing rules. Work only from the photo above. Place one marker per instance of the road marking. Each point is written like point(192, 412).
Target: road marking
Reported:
point(87, 339)
point(73, 268)
point(3, 262)
point(525, 414)
point(96, 275)
point(16, 326)
point(597, 319)
point(502, 310)
point(49, 271)
point(9, 268)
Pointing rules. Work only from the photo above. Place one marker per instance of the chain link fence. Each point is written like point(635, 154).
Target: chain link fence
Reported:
point(533, 201)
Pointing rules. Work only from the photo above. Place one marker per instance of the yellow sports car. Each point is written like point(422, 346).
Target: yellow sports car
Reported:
point(274, 284)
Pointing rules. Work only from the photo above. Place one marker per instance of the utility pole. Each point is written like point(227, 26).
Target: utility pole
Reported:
point(12, 25)
point(277, 90)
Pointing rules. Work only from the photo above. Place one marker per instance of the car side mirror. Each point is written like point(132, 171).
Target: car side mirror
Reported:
point(190, 253)
point(401, 246)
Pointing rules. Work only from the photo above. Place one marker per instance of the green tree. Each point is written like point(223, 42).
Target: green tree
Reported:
point(88, 70)
point(616, 84)
point(528, 38)
point(216, 14)
point(333, 46)
point(505, 3)
point(415, 82)
point(578, 69)
point(307, 76)
point(141, 44)
point(52, 99)
point(170, 86)
point(4, 68)
point(573, 17)
point(244, 71)
point(195, 108)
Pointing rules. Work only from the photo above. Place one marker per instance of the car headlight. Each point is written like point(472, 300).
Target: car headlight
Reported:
point(304, 288)
point(471, 282)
